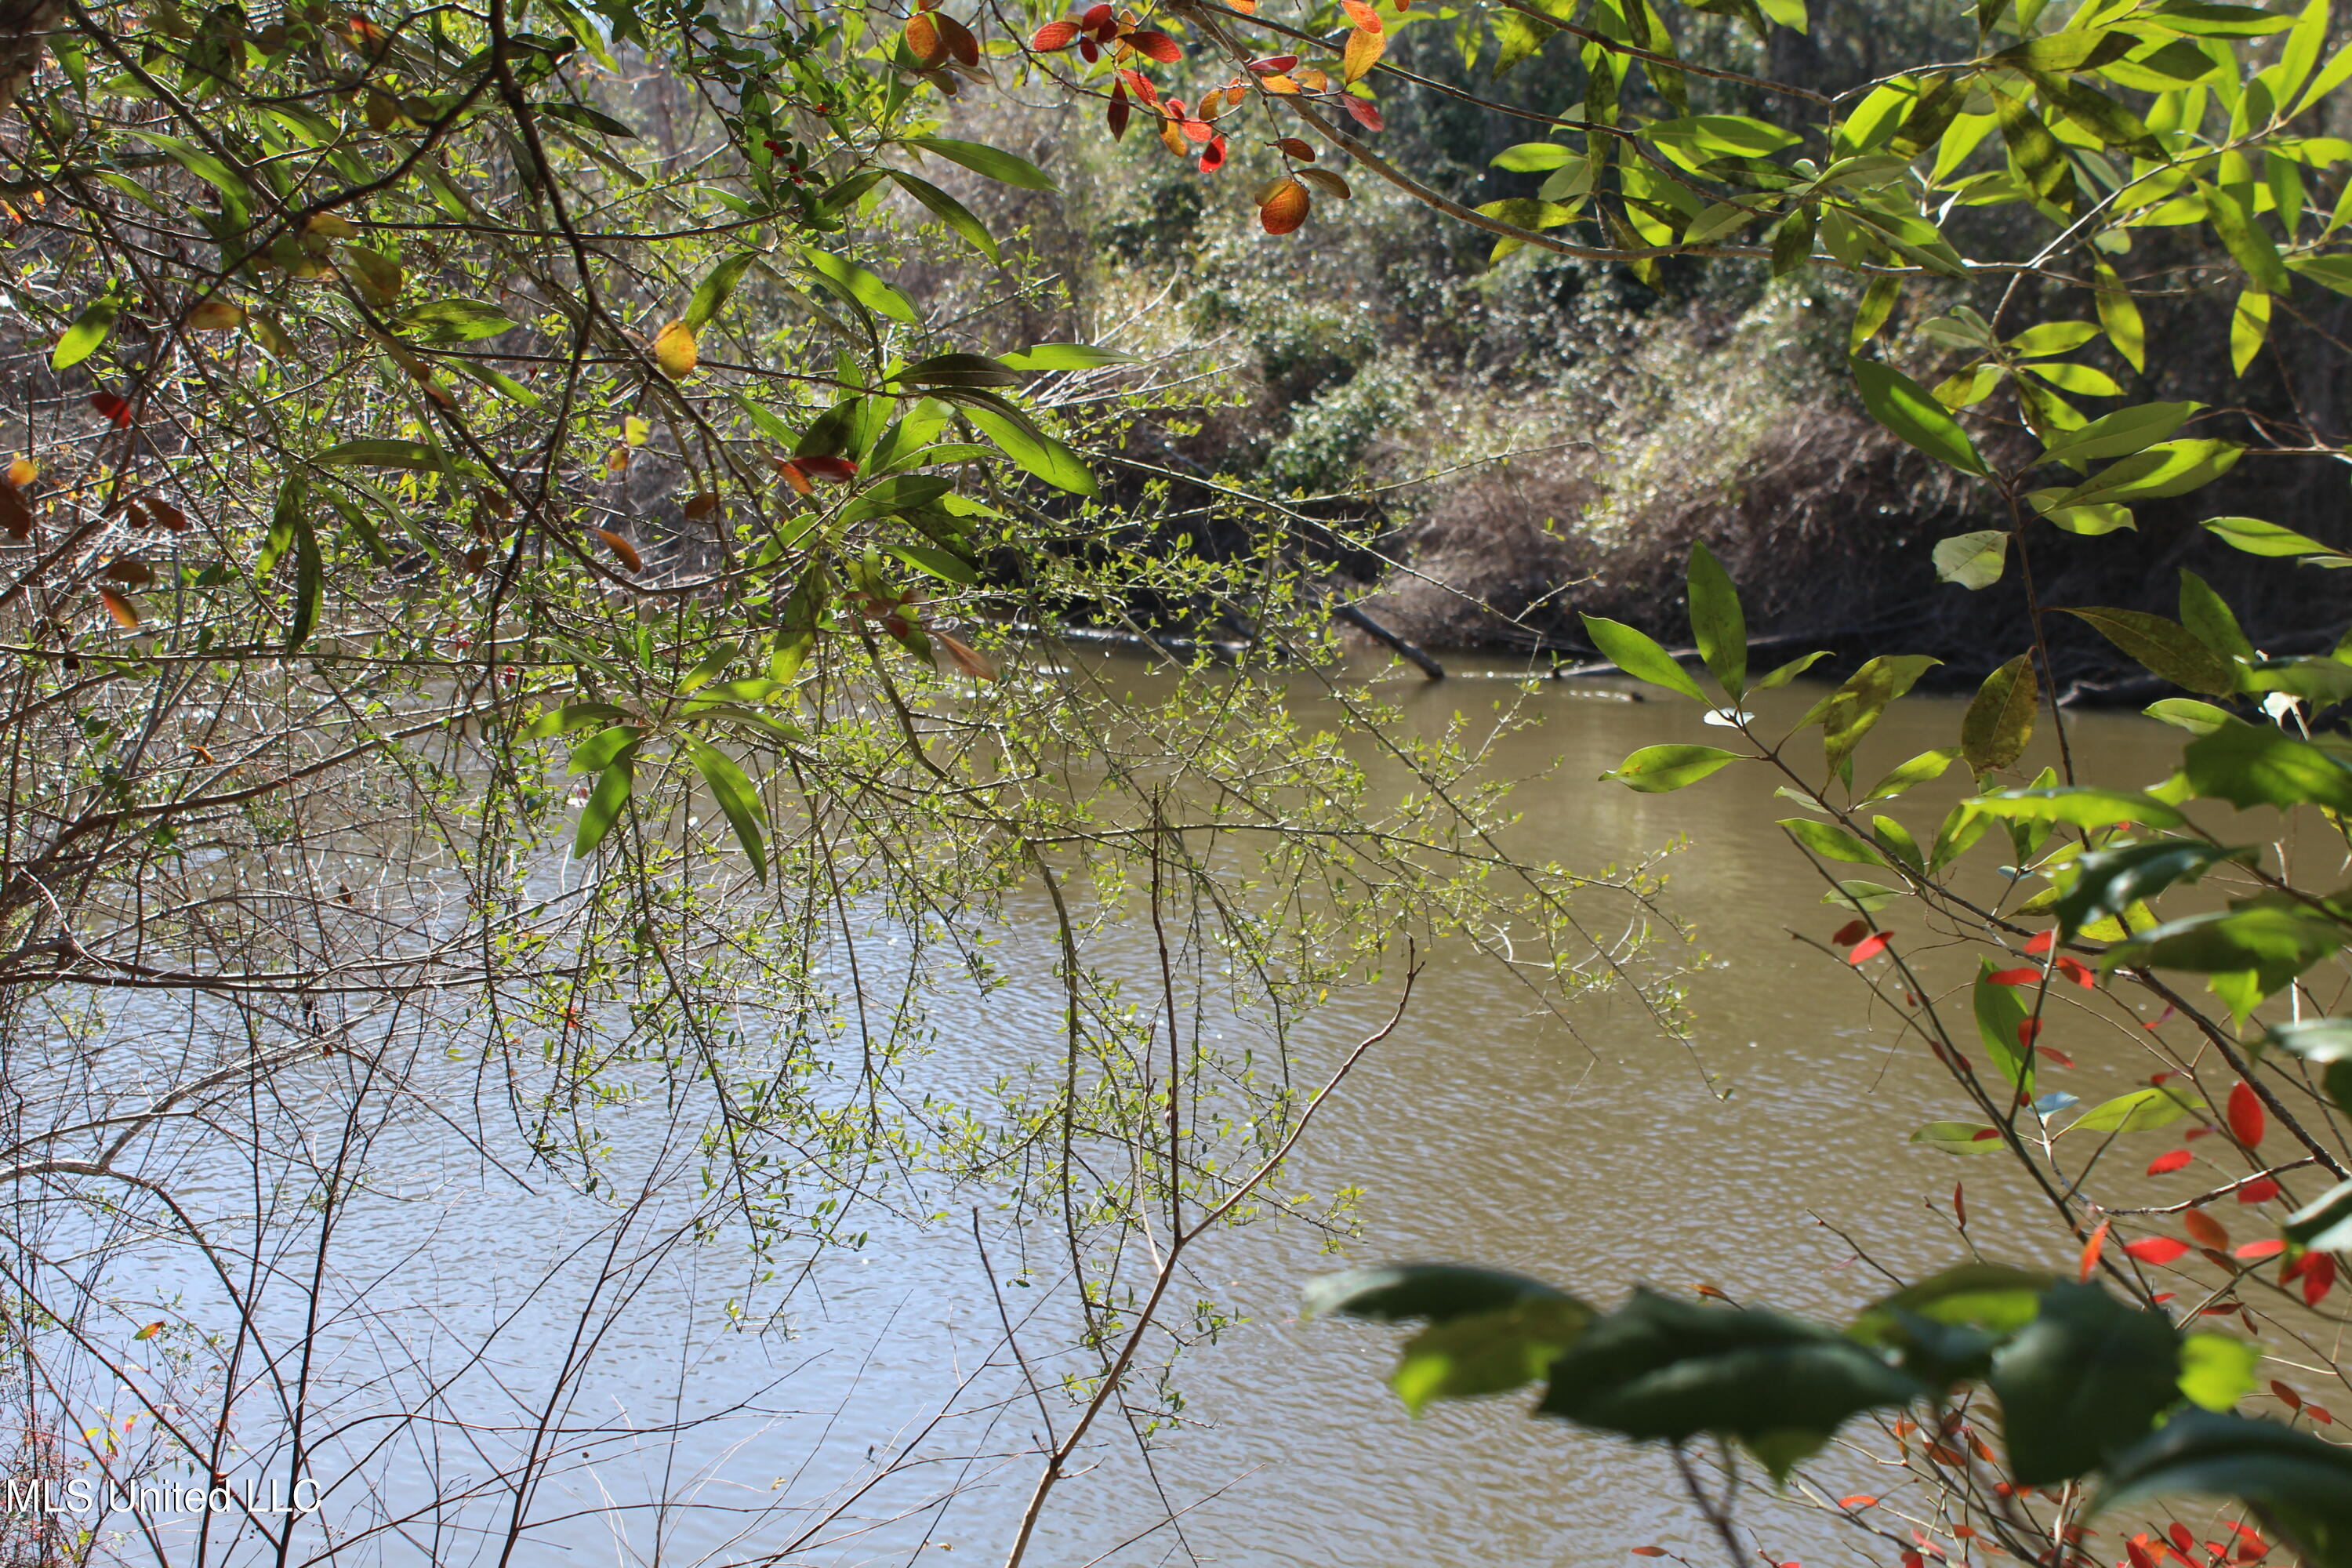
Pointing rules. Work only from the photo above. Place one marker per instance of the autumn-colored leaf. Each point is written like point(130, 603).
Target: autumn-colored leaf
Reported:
point(676, 351)
point(1362, 15)
point(1850, 932)
point(2028, 976)
point(2043, 941)
point(1096, 18)
point(840, 471)
point(214, 316)
point(1860, 1500)
point(129, 571)
point(2260, 1251)
point(1196, 130)
point(623, 550)
point(2092, 1248)
point(961, 43)
point(795, 476)
point(113, 407)
point(22, 471)
point(2247, 1120)
point(1169, 137)
point(2028, 1031)
point(1283, 206)
point(1294, 148)
point(125, 614)
point(2158, 1249)
point(1159, 46)
point(149, 1332)
point(2166, 1163)
point(1364, 49)
point(923, 40)
point(2207, 1230)
point(1140, 84)
point(698, 507)
point(1326, 182)
point(15, 512)
point(2261, 1190)
point(1366, 113)
point(1213, 159)
point(2318, 1278)
point(969, 659)
point(2076, 971)
point(2285, 1395)
point(1274, 65)
point(1870, 947)
point(1313, 79)
point(1116, 116)
point(1054, 35)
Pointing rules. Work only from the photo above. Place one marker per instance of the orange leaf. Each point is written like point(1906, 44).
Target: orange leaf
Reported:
point(1296, 149)
point(21, 471)
point(1649, 1551)
point(794, 475)
point(125, 614)
point(969, 659)
point(1283, 207)
point(1172, 138)
point(2092, 1248)
point(2158, 1249)
point(923, 40)
point(2208, 1231)
point(1365, 47)
point(623, 550)
point(1363, 16)
point(1054, 35)
point(1280, 85)
point(1313, 79)
point(149, 1332)
point(676, 351)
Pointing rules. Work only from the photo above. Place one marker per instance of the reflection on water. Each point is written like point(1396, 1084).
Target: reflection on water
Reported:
point(1479, 1131)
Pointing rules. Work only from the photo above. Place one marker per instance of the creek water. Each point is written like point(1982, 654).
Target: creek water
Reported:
point(1480, 1131)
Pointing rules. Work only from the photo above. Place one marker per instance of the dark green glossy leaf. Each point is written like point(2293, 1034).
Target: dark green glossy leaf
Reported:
point(994, 163)
point(1848, 713)
point(2086, 1378)
point(949, 211)
point(2302, 1483)
point(2275, 944)
point(2166, 649)
point(1904, 406)
point(1399, 1292)
point(2109, 881)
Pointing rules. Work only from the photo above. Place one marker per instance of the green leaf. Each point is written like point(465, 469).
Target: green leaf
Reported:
point(949, 211)
point(1639, 656)
point(88, 332)
point(2255, 537)
point(1662, 1370)
point(852, 281)
point(2273, 945)
point(736, 796)
point(1717, 626)
point(1067, 356)
point(1927, 765)
point(939, 563)
point(2208, 617)
point(1972, 559)
point(2257, 764)
point(1488, 1352)
point(2119, 315)
point(458, 320)
point(1533, 157)
point(309, 570)
point(2086, 1378)
point(2325, 1225)
point(1903, 405)
point(2051, 338)
point(412, 455)
point(1441, 1292)
point(1959, 1137)
point(1029, 447)
point(586, 118)
point(1864, 899)
point(600, 750)
point(2218, 1370)
point(2109, 881)
point(1980, 1295)
point(604, 805)
point(2120, 434)
point(2167, 469)
point(1999, 1012)
point(2301, 1484)
point(2000, 720)
point(2187, 713)
point(2164, 647)
point(2079, 806)
point(2322, 1041)
point(1848, 713)
point(1655, 770)
point(959, 370)
point(1831, 842)
point(2253, 249)
point(1783, 674)
point(997, 165)
point(572, 716)
point(1711, 135)
point(711, 296)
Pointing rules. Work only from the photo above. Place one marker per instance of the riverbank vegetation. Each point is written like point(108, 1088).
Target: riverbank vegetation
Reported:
point(544, 570)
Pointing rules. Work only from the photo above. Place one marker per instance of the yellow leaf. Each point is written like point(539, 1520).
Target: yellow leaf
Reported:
point(1364, 50)
point(634, 430)
point(327, 226)
point(125, 614)
point(21, 472)
point(214, 316)
point(675, 351)
point(2249, 325)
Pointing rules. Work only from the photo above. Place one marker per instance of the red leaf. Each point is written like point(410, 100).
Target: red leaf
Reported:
point(2318, 1280)
point(2318, 1414)
point(2207, 1230)
point(2092, 1248)
point(1096, 17)
point(1214, 158)
point(2286, 1396)
point(2247, 1122)
point(2256, 1251)
point(1913, 1560)
point(2261, 1190)
point(1158, 45)
point(1870, 947)
point(2028, 1030)
point(1140, 84)
point(1116, 116)
point(1195, 129)
point(2181, 1538)
point(2044, 943)
point(1960, 1207)
point(1366, 114)
point(2077, 972)
point(2158, 1249)
point(1361, 15)
point(840, 471)
point(2140, 1556)
point(1850, 932)
point(1860, 1500)
point(1274, 65)
point(113, 407)
point(2029, 975)
point(1055, 36)
point(1649, 1551)
point(2165, 1165)
point(1089, 51)
point(2054, 1055)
